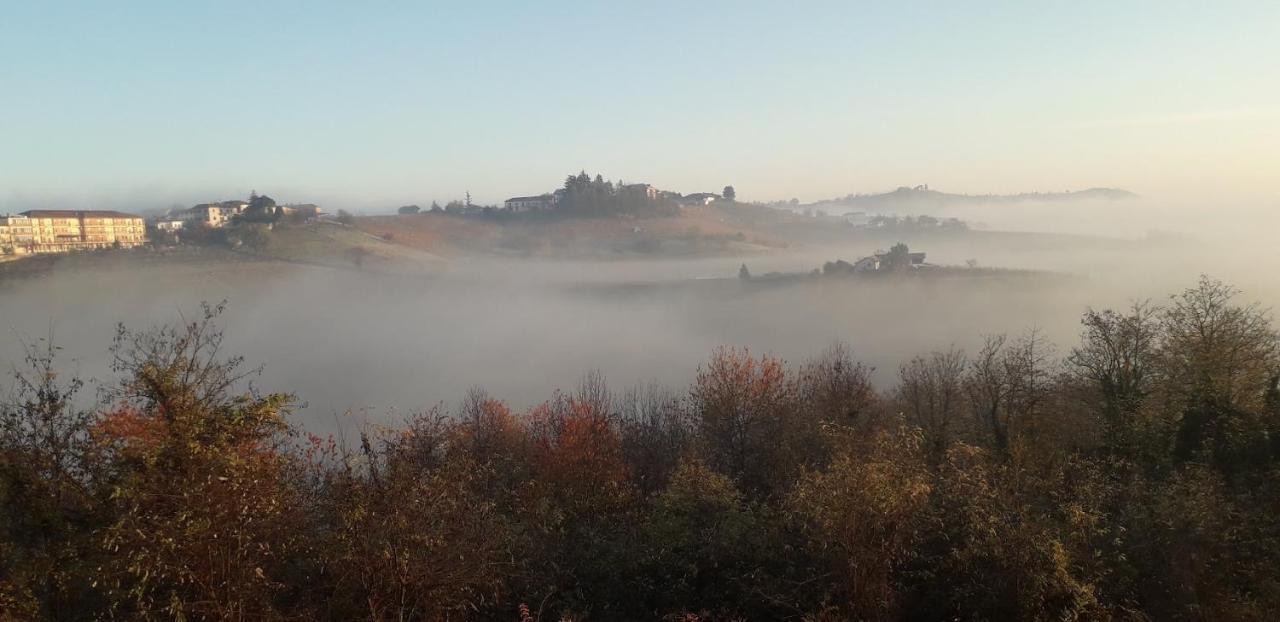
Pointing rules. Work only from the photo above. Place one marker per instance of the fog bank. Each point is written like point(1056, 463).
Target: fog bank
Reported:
point(381, 345)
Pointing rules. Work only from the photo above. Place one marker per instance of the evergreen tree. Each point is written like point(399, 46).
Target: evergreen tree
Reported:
point(899, 257)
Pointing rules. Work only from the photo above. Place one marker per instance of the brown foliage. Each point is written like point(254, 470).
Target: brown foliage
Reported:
point(1136, 479)
point(865, 513)
point(410, 544)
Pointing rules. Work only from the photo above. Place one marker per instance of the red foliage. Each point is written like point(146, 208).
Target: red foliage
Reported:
point(578, 450)
point(128, 429)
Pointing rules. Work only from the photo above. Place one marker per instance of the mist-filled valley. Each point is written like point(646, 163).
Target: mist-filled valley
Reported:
point(660, 311)
point(379, 345)
point(728, 413)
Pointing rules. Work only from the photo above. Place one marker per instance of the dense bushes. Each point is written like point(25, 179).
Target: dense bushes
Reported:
point(1134, 478)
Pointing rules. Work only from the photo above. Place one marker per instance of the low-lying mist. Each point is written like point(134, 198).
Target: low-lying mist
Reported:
point(382, 346)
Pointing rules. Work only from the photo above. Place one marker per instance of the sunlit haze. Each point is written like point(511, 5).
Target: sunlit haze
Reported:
point(373, 105)
point(629, 311)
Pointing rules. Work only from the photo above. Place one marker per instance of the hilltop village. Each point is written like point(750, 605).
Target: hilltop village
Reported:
point(59, 231)
point(259, 209)
point(588, 216)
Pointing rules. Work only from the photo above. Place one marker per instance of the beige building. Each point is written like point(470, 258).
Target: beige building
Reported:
point(648, 191)
point(527, 204)
point(169, 224)
point(301, 210)
point(16, 236)
point(57, 231)
point(215, 214)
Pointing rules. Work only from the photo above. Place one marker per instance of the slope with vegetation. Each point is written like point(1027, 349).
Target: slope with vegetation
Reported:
point(318, 243)
point(336, 245)
point(1137, 477)
point(688, 231)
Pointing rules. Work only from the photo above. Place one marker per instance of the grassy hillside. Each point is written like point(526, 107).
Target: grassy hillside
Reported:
point(194, 257)
point(327, 245)
point(341, 246)
point(695, 231)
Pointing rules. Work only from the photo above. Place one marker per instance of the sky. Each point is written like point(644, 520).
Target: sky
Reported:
point(377, 104)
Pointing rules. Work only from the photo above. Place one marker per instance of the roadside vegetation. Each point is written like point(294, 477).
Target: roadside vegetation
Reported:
point(1135, 476)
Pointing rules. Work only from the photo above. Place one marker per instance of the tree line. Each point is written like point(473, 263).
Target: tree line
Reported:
point(587, 196)
point(908, 223)
point(1134, 477)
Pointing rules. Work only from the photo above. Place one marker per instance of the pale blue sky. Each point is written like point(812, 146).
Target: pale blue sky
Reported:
point(394, 102)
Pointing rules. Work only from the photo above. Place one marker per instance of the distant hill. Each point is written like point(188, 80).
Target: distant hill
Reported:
point(922, 199)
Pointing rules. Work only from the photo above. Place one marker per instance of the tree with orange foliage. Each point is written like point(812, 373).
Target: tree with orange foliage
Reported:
point(579, 455)
point(742, 405)
point(206, 521)
point(578, 512)
point(494, 441)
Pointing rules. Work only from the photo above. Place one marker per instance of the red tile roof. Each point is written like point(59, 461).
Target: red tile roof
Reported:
point(68, 213)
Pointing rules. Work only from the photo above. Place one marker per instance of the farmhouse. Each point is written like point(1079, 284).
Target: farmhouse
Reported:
point(531, 204)
point(699, 198)
point(215, 214)
point(880, 261)
point(649, 192)
point(307, 211)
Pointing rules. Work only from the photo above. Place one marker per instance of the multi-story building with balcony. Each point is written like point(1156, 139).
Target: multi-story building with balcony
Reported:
point(56, 231)
point(16, 236)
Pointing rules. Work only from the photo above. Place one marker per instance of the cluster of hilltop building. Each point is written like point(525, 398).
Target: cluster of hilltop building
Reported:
point(552, 200)
point(259, 208)
point(60, 231)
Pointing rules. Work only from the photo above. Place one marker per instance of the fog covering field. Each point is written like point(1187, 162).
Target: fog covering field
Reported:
point(383, 346)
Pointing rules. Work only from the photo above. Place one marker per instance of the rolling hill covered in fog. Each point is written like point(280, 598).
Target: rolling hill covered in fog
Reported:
point(923, 199)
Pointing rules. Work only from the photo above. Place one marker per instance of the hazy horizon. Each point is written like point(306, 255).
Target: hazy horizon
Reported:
point(369, 108)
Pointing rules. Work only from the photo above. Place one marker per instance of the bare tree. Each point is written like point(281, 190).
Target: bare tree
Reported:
point(988, 390)
point(1216, 350)
point(931, 393)
point(1028, 371)
point(654, 430)
point(594, 394)
point(1006, 383)
point(1116, 358)
point(835, 387)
